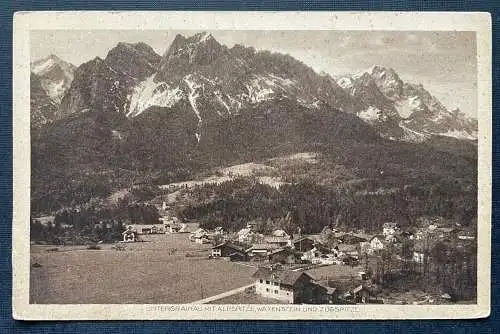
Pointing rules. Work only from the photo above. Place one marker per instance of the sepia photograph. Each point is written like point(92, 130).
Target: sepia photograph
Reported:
point(215, 165)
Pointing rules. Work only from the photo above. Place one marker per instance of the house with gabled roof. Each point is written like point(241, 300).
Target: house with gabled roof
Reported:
point(350, 238)
point(280, 241)
point(284, 255)
point(262, 249)
point(303, 244)
point(230, 250)
point(129, 236)
point(285, 285)
point(377, 242)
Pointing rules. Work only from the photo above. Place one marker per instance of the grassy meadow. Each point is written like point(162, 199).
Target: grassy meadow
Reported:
point(162, 269)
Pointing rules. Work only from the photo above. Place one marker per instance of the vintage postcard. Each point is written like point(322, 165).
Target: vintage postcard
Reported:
point(251, 165)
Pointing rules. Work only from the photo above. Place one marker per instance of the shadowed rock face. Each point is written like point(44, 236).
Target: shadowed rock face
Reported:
point(43, 108)
point(104, 85)
point(136, 60)
point(51, 78)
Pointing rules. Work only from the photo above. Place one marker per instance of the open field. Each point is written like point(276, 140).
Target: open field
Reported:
point(154, 271)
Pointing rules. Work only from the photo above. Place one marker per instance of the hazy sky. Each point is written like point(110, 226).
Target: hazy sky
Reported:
point(444, 62)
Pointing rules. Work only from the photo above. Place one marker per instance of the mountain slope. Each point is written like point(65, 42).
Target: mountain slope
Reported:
point(43, 108)
point(408, 111)
point(106, 84)
point(55, 74)
point(50, 79)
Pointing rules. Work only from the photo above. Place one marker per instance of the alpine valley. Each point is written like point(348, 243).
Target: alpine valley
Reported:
point(361, 149)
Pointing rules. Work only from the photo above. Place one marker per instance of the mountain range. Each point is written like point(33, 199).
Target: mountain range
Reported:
point(203, 104)
point(218, 81)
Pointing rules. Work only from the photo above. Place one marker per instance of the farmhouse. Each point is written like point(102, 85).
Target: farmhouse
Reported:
point(129, 236)
point(377, 242)
point(280, 241)
point(246, 235)
point(466, 234)
point(199, 236)
point(365, 247)
point(346, 249)
point(230, 250)
point(328, 230)
point(287, 286)
point(323, 293)
point(219, 230)
point(444, 232)
point(285, 255)
point(304, 244)
point(203, 239)
point(262, 249)
point(419, 251)
point(358, 295)
point(311, 255)
point(351, 239)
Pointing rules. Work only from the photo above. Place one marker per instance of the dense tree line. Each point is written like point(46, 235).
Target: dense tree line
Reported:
point(447, 266)
point(312, 206)
point(87, 225)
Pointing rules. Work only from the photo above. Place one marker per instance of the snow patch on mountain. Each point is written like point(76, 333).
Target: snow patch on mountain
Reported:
point(371, 114)
point(42, 67)
point(222, 102)
point(459, 134)
point(193, 95)
point(55, 90)
point(149, 93)
point(257, 90)
point(282, 81)
point(407, 107)
point(369, 71)
point(204, 36)
point(345, 82)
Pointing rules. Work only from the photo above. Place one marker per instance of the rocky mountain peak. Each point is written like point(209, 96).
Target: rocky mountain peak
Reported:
point(409, 108)
point(137, 60)
point(53, 77)
point(186, 54)
point(387, 80)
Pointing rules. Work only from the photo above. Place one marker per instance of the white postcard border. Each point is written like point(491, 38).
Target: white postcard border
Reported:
point(388, 21)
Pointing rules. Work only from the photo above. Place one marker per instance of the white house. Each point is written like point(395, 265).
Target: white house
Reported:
point(199, 236)
point(129, 236)
point(284, 285)
point(377, 242)
point(418, 256)
point(247, 235)
point(311, 255)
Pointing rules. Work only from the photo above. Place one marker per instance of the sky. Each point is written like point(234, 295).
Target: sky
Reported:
point(444, 62)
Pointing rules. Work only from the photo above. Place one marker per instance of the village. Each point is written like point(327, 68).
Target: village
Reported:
point(331, 267)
